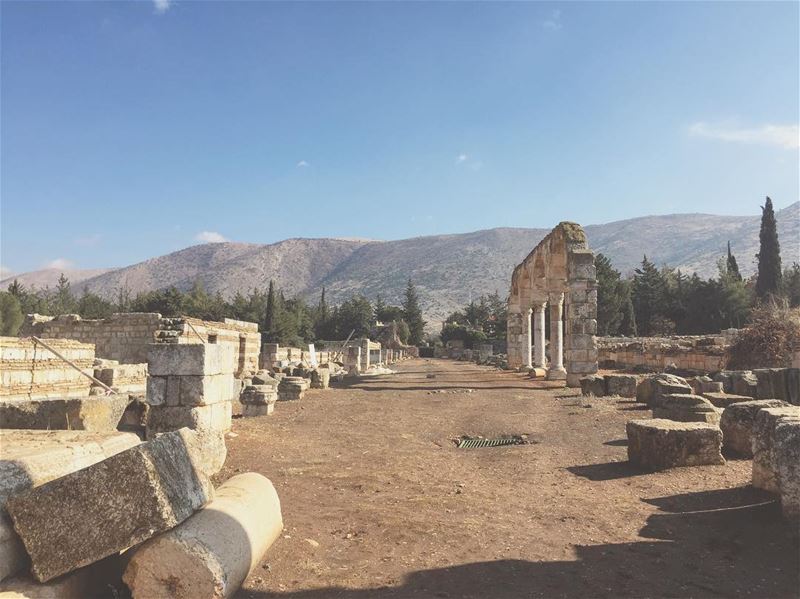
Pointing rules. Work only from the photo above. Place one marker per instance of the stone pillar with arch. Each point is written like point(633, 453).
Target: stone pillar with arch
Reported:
point(560, 274)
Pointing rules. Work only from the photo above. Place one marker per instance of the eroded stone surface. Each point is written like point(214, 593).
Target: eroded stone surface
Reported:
point(593, 385)
point(33, 457)
point(190, 359)
point(114, 504)
point(765, 475)
point(652, 388)
point(787, 466)
point(659, 444)
point(100, 413)
point(623, 385)
point(215, 549)
point(686, 408)
point(737, 424)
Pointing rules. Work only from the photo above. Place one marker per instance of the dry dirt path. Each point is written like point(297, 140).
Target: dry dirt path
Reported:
point(378, 501)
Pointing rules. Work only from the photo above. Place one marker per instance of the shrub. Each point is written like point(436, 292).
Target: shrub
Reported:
point(769, 339)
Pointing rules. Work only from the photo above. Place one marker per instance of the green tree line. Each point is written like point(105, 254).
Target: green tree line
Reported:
point(289, 321)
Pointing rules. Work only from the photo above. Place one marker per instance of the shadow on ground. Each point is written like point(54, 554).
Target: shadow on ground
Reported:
point(748, 551)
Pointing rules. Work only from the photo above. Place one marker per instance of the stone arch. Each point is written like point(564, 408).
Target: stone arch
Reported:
point(559, 272)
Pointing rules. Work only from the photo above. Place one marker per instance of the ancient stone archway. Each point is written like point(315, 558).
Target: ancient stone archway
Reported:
point(559, 271)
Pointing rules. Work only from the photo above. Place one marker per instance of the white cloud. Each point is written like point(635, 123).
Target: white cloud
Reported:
point(88, 240)
point(5, 271)
point(302, 164)
point(162, 6)
point(553, 22)
point(210, 237)
point(60, 264)
point(461, 158)
point(785, 136)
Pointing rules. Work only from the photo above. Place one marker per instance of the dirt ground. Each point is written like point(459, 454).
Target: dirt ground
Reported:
point(378, 501)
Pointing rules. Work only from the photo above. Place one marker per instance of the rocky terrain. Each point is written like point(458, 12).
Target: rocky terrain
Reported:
point(448, 269)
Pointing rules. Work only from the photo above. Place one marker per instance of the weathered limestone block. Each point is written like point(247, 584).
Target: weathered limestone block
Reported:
point(33, 457)
point(652, 388)
point(623, 385)
point(258, 400)
point(292, 388)
point(723, 400)
point(190, 390)
point(686, 408)
point(135, 416)
point(765, 475)
point(90, 514)
point(190, 359)
point(703, 384)
point(787, 466)
point(84, 583)
point(320, 378)
point(91, 413)
point(263, 377)
point(660, 444)
point(212, 553)
point(793, 385)
point(737, 424)
point(594, 385)
point(745, 383)
point(215, 417)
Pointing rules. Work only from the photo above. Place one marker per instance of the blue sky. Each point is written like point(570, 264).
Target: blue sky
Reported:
point(132, 129)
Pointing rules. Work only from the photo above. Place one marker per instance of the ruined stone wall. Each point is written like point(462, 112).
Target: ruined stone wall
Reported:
point(243, 336)
point(122, 337)
point(701, 353)
point(273, 354)
point(126, 337)
point(29, 371)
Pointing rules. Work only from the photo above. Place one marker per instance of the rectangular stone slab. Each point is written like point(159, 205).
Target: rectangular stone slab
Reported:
point(99, 413)
point(193, 359)
point(85, 516)
point(659, 444)
point(33, 457)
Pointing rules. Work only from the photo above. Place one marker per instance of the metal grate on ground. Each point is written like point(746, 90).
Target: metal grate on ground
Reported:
point(473, 443)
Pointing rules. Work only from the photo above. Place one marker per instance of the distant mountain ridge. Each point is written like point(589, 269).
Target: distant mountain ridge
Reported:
point(448, 270)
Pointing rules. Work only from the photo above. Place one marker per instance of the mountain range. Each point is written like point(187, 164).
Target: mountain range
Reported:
point(448, 270)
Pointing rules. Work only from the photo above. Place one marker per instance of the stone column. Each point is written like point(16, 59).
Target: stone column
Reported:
point(527, 340)
point(538, 336)
point(365, 354)
point(556, 371)
point(513, 334)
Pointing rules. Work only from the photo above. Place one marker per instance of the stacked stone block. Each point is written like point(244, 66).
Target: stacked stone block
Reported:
point(190, 385)
point(321, 378)
point(765, 472)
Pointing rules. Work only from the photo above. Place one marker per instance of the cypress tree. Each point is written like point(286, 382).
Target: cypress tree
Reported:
point(412, 314)
point(269, 314)
point(611, 296)
point(649, 296)
point(769, 277)
point(733, 266)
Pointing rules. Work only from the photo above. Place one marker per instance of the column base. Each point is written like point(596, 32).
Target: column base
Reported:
point(556, 374)
point(538, 372)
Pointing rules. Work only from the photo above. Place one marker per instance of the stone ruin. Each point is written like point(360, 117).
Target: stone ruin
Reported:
point(77, 490)
point(696, 420)
point(558, 275)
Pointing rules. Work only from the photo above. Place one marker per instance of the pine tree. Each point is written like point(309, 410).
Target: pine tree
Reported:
point(63, 300)
point(769, 277)
point(733, 266)
point(412, 314)
point(649, 297)
point(611, 296)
